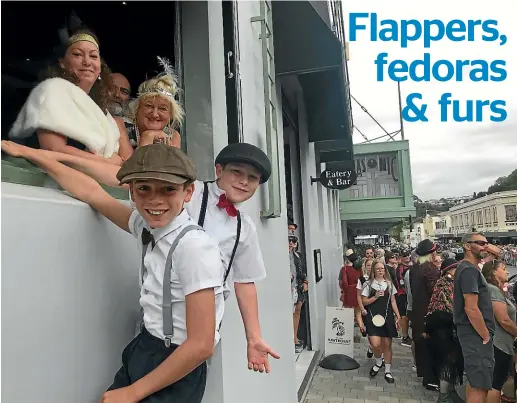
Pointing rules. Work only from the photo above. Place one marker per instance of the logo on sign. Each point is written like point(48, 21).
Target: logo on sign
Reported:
point(339, 179)
point(338, 326)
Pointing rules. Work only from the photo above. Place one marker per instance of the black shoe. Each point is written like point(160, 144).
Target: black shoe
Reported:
point(432, 386)
point(388, 377)
point(375, 369)
point(406, 342)
point(369, 353)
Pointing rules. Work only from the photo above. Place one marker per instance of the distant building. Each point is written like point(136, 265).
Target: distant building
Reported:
point(494, 214)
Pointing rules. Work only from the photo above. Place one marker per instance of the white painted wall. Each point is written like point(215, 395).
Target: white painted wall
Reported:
point(69, 297)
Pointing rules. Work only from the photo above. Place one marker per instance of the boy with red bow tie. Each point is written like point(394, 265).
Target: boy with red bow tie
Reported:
point(240, 169)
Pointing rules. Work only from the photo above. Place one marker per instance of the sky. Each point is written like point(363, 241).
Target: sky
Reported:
point(447, 158)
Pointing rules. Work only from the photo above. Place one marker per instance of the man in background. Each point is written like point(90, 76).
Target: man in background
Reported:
point(474, 318)
point(119, 99)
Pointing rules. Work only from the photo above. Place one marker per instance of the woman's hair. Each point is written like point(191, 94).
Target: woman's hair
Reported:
point(153, 88)
point(424, 259)
point(387, 276)
point(489, 270)
point(101, 89)
point(364, 266)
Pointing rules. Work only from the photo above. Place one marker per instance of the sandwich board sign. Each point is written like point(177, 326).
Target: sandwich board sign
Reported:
point(339, 331)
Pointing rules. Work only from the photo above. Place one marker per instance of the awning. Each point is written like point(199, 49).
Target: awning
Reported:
point(306, 46)
point(335, 151)
point(304, 42)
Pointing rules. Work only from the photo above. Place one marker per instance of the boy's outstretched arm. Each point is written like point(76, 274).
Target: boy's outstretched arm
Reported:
point(81, 186)
point(258, 350)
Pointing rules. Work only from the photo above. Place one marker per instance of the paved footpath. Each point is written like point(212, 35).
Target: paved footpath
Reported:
point(356, 386)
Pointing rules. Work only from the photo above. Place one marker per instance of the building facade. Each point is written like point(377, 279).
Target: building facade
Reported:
point(271, 74)
point(383, 193)
point(494, 214)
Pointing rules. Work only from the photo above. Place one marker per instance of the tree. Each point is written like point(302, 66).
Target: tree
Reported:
point(504, 183)
point(396, 231)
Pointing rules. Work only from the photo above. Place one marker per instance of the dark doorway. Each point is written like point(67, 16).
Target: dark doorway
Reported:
point(231, 55)
point(294, 195)
point(129, 42)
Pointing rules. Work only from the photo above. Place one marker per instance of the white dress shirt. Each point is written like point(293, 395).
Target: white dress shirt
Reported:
point(196, 265)
point(248, 264)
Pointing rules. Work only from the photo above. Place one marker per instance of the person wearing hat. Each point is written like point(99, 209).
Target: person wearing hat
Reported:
point(440, 329)
point(422, 278)
point(166, 361)
point(240, 169)
point(291, 227)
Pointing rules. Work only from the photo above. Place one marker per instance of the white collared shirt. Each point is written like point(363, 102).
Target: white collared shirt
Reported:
point(377, 286)
point(248, 264)
point(196, 265)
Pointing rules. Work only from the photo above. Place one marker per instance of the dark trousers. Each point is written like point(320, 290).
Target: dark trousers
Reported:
point(146, 352)
point(424, 362)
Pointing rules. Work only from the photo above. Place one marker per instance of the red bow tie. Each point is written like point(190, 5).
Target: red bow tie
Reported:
point(227, 205)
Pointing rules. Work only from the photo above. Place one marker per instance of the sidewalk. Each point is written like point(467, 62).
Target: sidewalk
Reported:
point(356, 386)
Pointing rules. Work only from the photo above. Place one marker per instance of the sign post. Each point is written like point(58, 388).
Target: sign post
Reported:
point(339, 339)
point(339, 331)
point(337, 179)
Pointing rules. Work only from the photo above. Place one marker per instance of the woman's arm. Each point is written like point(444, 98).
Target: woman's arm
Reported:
point(78, 184)
point(175, 140)
point(101, 171)
point(395, 307)
point(360, 300)
point(125, 149)
point(57, 142)
point(501, 315)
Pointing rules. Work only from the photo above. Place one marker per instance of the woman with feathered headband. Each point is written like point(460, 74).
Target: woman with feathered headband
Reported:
point(155, 114)
point(68, 110)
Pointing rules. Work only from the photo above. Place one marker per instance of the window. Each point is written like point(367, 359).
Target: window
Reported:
point(494, 212)
point(510, 212)
point(24, 62)
point(479, 217)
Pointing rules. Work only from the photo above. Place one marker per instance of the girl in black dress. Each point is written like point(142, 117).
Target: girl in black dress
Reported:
point(382, 318)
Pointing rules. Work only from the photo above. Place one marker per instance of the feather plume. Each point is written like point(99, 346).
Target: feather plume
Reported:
point(167, 66)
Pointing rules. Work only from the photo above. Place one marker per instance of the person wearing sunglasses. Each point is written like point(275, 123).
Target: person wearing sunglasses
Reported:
point(474, 318)
point(300, 284)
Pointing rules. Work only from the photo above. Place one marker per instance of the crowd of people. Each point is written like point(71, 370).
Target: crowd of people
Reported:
point(457, 306)
point(80, 126)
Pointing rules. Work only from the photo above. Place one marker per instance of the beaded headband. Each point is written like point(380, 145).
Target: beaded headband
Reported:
point(82, 37)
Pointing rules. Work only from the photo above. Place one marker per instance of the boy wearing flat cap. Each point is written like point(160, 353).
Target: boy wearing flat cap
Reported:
point(181, 273)
point(240, 169)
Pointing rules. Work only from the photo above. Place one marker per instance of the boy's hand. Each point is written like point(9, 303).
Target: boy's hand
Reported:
point(122, 395)
point(258, 351)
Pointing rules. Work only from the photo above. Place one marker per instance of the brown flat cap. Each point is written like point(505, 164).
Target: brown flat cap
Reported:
point(158, 161)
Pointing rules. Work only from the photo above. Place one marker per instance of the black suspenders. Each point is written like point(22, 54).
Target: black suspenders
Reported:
point(201, 222)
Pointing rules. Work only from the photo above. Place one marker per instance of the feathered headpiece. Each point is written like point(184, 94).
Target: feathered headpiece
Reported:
point(168, 70)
